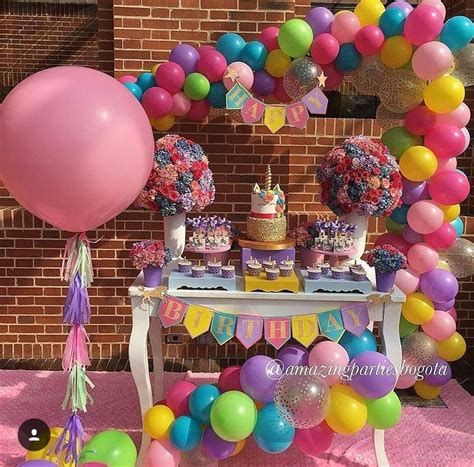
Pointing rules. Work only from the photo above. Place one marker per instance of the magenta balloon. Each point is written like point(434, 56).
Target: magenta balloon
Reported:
point(198, 110)
point(325, 49)
point(269, 38)
point(170, 76)
point(127, 79)
point(420, 120)
point(256, 378)
point(411, 236)
point(402, 5)
point(315, 440)
point(216, 447)
point(369, 40)
point(157, 102)
point(395, 240)
point(445, 141)
point(423, 24)
point(293, 355)
point(413, 191)
point(320, 19)
point(212, 64)
point(452, 312)
point(77, 148)
point(450, 187)
point(445, 306)
point(203, 48)
point(459, 117)
point(333, 75)
point(439, 285)
point(443, 238)
point(186, 56)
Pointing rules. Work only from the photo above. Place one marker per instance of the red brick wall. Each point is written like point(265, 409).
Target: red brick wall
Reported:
point(31, 295)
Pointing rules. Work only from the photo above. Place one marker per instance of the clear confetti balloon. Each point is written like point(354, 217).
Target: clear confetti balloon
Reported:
point(460, 258)
point(419, 349)
point(464, 65)
point(301, 77)
point(388, 119)
point(302, 400)
point(367, 77)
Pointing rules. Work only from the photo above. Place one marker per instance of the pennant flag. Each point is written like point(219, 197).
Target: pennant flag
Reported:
point(297, 114)
point(249, 330)
point(252, 110)
point(274, 117)
point(305, 329)
point(355, 317)
point(330, 324)
point(277, 331)
point(223, 326)
point(171, 311)
point(236, 97)
point(197, 320)
point(315, 101)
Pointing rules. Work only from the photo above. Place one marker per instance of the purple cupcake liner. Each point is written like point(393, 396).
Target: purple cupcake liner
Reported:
point(314, 275)
point(228, 274)
point(184, 268)
point(214, 269)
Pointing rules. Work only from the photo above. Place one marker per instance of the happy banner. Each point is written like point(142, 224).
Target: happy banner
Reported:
point(197, 319)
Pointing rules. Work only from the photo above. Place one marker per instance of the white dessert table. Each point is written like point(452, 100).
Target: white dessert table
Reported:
point(146, 324)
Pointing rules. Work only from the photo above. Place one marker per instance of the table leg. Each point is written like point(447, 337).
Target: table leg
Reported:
point(138, 355)
point(379, 445)
point(157, 354)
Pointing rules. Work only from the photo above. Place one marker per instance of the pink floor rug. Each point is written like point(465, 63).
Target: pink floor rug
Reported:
point(425, 436)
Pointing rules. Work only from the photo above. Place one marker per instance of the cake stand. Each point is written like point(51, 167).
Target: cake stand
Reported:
point(317, 256)
point(221, 254)
point(278, 251)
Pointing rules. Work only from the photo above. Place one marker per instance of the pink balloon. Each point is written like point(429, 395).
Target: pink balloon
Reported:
point(229, 379)
point(423, 24)
point(77, 148)
point(442, 326)
point(394, 239)
point(446, 165)
point(443, 238)
point(127, 79)
point(445, 141)
point(459, 117)
point(425, 217)
point(269, 38)
point(170, 76)
point(431, 60)
point(450, 187)
point(422, 258)
point(199, 110)
point(203, 48)
point(405, 381)
point(407, 281)
point(333, 75)
point(467, 138)
point(345, 27)
point(279, 92)
point(313, 441)
point(177, 398)
point(181, 104)
point(328, 354)
point(369, 40)
point(452, 312)
point(212, 64)
point(157, 102)
point(436, 4)
point(420, 120)
point(162, 453)
point(245, 76)
point(325, 49)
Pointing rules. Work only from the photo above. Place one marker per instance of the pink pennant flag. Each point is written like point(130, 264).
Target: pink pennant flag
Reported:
point(277, 331)
point(171, 311)
point(249, 330)
point(297, 114)
point(252, 110)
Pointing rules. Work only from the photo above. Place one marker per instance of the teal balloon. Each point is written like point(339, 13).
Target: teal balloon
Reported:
point(113, 448)
point(399, 215)
point(146, 81)
point(254, 54)
point(391, 22)
point(201, 400)
point(134, 89)
point(230, 45)
point(457, 32)
point(185, 433)
point(272, 434)
point(216, 96)
point(355, 345)
point(348, 58)
point(458, 225)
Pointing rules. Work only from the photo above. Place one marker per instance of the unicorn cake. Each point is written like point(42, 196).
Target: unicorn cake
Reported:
point(267, 222)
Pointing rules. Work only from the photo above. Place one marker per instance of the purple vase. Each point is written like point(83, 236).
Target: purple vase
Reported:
point(152, 276)
point(384, 280)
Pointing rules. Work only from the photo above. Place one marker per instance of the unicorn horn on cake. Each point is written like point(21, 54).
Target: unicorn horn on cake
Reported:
point(268, 178)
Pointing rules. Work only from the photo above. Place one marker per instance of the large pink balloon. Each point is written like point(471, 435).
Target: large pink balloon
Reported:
point(445, 141)
point(423, 24)
point(446, 165)
point(76, 147)
point(315, 440)
point(431, 60)
point(449, 187)
point(459, 117)
point(441, 327)
point(162, 454)
point(328, 354)
point(422, 258)
point(425, 217)
point(244, 75)
point(407, 281)
point(345, 26)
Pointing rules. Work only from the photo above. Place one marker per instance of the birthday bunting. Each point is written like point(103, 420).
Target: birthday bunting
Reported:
point(305, 329)
point(277, 331)
point(331, 325)
point(355, 317)
point(249, 330)
point(197, 320)
point(223, 326)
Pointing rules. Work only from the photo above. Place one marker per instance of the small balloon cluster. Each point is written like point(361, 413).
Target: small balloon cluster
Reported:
point(277, 407)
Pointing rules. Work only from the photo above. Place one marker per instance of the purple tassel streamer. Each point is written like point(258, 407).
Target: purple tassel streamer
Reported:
point(77, 307)
point(68, 446)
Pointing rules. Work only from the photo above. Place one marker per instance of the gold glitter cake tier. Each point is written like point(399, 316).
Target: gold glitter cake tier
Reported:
point(266, 230)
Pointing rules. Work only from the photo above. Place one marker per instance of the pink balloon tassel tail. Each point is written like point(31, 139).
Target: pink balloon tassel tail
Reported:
point(76, 348)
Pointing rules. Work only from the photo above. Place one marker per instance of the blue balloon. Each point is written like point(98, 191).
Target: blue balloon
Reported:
point(216, 96)
point(392, 22)
point(185, 433)
point(355, 345)
point(230, 45)
point(201, 401)
point(146, 81)
point(271, 433)
point(457, 32)
point(399, 215)
point(348, 58)
point(134, 89)
point(458, 226)
point(254, 54)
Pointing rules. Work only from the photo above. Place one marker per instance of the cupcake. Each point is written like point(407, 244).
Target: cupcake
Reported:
point(228, 272)
point(337, 272)
point(268, 263)
point(286, 270)
point(184, 265)
point(359, 275)
point(254, 269)
point(324, 268)
point(198, 271)
point(287, 262)
point(272, 273)
point(214, 267)
point(314, 272)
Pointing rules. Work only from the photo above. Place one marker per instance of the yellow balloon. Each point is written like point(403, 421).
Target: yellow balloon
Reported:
point(443, 265)
point(369, 11)
point(444, 94)
point(239, 445)
point(347, 412)
point(418, 163)
point(426, 391)
point(277, 63)
point(396, 52)
point(450, 212)
point(418, 308)
point(154, 68)
point(157, 421)
point(43, 454)
point(163, 123)
point(452, 349)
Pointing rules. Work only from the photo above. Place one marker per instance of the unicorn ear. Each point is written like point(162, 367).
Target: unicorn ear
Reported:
point(256, 188)
point(276, 188)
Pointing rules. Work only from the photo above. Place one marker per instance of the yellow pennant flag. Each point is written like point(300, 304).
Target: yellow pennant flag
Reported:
point(274, 117)
point(305, 329)
point(197, 320)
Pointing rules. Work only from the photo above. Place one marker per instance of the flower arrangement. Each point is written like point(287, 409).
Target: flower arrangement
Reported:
point(360, 176)
point(180, 179)
point(150, 253)
point(386, 259)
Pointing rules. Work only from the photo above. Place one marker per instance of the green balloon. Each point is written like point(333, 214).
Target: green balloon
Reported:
point(393, 227)
point(406, 328)
point(295, 38)
point(114, 448)
point(385, 412)
point(233, 416)
point(196, 86)
point(399, 139)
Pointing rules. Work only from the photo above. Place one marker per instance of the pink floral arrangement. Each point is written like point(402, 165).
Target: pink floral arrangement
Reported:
point(386, 258)
point(360, 176)
point(150, 253)
point(180, 180)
